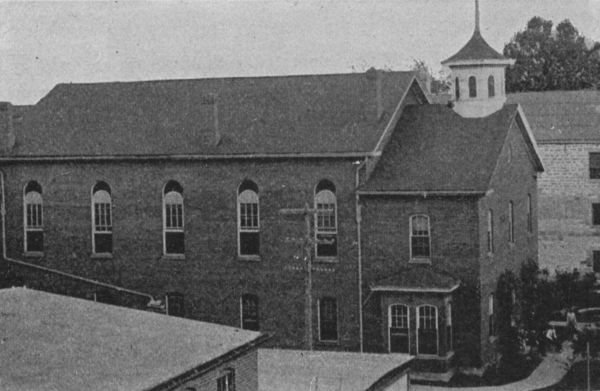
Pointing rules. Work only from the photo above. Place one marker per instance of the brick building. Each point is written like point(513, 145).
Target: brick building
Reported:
point(566, 125)
point(176, 188)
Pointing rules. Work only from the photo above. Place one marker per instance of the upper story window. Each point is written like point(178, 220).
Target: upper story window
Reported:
point(529, 214)
point(472, 87)
point(427, 330)
point(328, 329)
point(326, 219)
point(420, 239)
point(33, 217)
point(399, 333)
point(511, 222)
point(490, 231)
point(102, 242)
point(248, 220)
point(594, 165)
point(596, 213)
point(173, 233)
point(457, 89)
point(226, 382)
point(174, 304)
point(491, 87)
point(249, 312)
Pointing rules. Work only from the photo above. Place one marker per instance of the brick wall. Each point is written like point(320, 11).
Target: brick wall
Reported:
point(566, 192)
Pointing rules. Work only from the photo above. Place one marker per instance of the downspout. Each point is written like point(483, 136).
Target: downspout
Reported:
point(359, 251)
point(151, 303)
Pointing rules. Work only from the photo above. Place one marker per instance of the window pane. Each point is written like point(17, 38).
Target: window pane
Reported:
point(174, 243)
point(175, 304)
point(35, 241)
point(595, 165)
point(249, 243)
point(328, 319)
point(596, 258)
point(399, 332)
point(326, 245)
point(472, 87)
point(596, 214)
point(103, 242)
point(427, 333)
point(250, 312)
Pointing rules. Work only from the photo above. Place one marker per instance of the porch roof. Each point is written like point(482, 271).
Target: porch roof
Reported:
point(417, 278)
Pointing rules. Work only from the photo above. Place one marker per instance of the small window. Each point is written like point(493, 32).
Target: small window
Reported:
point(472, 87)
point(595, 165)
point(596, 213)
point(102, 240)
point(328, 319)
point(33, 218)
point(490, 232)
point(173, 219)
point(427, 330)
point(511, 222)
point(457, 89)
point(419, 237)
point(398, 323)
point(449, 331)
point(174, 303)
point(226, 382)
point(491, 87)
point(249, 312)
point(491, 316)
point(529, 214)
point(596, 261)
point(326, 220)
point(248, 220)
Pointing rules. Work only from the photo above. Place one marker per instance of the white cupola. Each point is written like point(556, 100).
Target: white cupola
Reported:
point(477, 73)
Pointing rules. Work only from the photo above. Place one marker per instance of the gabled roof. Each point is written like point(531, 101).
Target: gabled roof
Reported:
point(256, 115)
point(417, 278)
point(433, 149)
point(475, 49)
point(53, 342)
point(561, 116)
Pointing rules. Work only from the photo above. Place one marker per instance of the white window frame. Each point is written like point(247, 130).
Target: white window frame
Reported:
point(181, 228)
point(247, 196)
point(437, 331)
point(229, 376)
point(101, 197)
point(337, 319)
point(390, 324)
point(325, 197)
point(36, 200)
point(410, 237)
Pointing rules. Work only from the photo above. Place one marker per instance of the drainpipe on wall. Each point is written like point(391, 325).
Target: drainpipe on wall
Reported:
point(359, 166)
point(151, 303)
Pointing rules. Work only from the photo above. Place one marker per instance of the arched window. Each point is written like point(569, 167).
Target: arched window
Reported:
point(326, 221)
point(102, 242)
point(248, 220)
point(457, 89)
point(491, 87)
point(398, 324)
point(427, 330)
point(472, 87)
point(33, 218)
point(173, 234)
point(249, 312)
point(420, 239)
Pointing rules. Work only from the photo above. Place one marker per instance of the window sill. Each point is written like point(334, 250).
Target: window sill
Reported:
point(328, 343)
point(437, 357)
point(101, 256)
point(426, 261)
point(33, 254)
point(173, 257)
point(250, 258)
point(326, 259)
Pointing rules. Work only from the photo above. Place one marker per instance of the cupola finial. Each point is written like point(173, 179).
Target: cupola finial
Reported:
point(477, 15)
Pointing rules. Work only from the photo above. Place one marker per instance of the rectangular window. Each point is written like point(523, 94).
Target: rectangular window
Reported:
point(249, 229)
point(174, 236)
point(326, 230)
point(511, 222)
point(328, 319)
point(594, 165)
point(102, 228)
point(427, 336)
point(174, 302)
point(226, 382)
point(596, 213)
point(596, 261)
point(399, 328)
point(249, 312)
point(419, 237)
point(34, 229)
point(490, 232)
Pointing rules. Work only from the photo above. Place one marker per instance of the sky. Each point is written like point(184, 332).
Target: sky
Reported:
point(46, 43)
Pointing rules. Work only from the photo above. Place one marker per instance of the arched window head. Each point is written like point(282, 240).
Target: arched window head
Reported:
point(326, 219)
point(457, 89)
point(491, 87)
point(101, 219)
point(173, 219)
point(33, 218)
point(472, 87)
point(248, 220)
point(399, 328)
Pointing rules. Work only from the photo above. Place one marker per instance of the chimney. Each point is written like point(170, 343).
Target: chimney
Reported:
point(375, 75)
point(7, 130)
point(209, 111)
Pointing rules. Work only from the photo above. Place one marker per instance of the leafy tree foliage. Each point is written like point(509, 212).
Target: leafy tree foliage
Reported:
point(551, 59)
point(436, 84)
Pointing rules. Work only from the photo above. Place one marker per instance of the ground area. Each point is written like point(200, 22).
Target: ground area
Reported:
point(576, 378)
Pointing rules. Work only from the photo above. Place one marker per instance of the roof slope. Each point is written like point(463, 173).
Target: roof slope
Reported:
point(435, 149)
point(475, 49)
point(287, 114)
point(561, 116)
point(52, 342)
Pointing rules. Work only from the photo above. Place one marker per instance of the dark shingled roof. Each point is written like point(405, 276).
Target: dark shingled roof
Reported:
point(476, 49)
point(415, 277)
point(435, 149)
point(256, 115)
point(561, 116)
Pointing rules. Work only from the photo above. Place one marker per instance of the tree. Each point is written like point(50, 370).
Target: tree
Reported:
point(438, 84)
point(551, 59)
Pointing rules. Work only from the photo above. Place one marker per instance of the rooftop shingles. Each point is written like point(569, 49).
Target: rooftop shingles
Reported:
point(256, 115)
point(561, 116)
point(52, 342)
point(475, 49)
point(417, 277)
point(435, 149)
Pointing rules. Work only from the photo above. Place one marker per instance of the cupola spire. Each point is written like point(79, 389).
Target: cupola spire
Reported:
point(477, 15)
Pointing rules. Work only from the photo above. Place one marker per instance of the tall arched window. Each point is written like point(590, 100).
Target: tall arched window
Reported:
point(457, 89)
point(491, 87)
point(398, 323)
point(472, 87)
point(33, 218)
point(420, 239)
point(248, 220)
point(102, 242)
point(427, 330)
point(249, 312)
point(326, 221)
point(173, 233)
